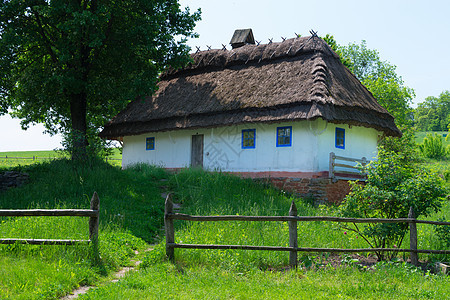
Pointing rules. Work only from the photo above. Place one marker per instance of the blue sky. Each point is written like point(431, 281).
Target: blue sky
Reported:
point(413, 35)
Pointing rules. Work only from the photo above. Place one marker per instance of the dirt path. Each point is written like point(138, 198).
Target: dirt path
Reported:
point(116, 277)
point(122, 272)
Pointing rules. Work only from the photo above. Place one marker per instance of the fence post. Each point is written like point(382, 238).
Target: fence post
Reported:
point(293, 236)
point(169, 229)
point(93, 221)
point(331, 166)
point(413, 238)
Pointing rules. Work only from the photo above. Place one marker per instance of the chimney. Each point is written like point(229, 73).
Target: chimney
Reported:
point(242, 37)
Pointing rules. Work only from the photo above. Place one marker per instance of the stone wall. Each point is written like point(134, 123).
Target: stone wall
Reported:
point(11, 179)
point(321, 190)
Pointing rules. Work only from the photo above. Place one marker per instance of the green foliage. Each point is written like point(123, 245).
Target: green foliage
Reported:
point(433, 147)
point(434, 113)
point(392, 187)
point(405, 145)
point(443, 233)
point(73, 65)
point(176, 281)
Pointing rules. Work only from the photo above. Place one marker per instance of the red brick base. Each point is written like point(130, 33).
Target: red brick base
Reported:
point(321, 190)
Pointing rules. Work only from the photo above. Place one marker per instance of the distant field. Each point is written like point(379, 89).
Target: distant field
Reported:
point(15, 158)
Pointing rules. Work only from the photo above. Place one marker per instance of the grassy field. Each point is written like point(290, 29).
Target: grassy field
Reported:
point(22, 158)
point(132, 214)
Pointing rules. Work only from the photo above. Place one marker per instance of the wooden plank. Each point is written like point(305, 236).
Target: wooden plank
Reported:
point(349, 159)
point(93, 221)
point(293, 236)
point(274, 248)
point(349, 178)
point(347, 172)
point(179, 216)
point(43, 241)
point(413, 238)
point(234, 247)
point(169, 228)
point(345, 166)
point(48, 213)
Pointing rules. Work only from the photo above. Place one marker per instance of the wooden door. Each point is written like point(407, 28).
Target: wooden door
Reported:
point(197, 151)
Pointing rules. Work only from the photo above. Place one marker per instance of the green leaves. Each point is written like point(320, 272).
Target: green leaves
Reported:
point(434, 113)
point(433, 147)
point(102, 53)
point(392, 187)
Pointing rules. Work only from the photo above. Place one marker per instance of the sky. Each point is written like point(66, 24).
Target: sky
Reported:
point(412, 35)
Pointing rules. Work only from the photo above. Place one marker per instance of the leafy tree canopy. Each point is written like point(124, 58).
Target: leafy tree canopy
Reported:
point(434, 113)
point(73, 64)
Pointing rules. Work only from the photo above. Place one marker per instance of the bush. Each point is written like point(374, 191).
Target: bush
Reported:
point(433, 147)
point(392, 187)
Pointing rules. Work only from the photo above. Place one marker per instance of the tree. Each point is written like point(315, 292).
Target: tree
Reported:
point(73, 64)
point(434, 113)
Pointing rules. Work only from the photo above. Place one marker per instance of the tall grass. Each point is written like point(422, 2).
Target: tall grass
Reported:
point(168, 281)
point(130, 212)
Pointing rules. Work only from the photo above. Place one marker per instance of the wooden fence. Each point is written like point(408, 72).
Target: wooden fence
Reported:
point(92, 213)
point(292, 220)
point(47, 158)
point(28, 158)
point(346, 171)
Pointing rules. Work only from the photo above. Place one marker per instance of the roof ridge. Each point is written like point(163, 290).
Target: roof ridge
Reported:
point(219, 58)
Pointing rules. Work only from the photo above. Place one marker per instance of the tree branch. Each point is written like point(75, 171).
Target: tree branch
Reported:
point(47, 41)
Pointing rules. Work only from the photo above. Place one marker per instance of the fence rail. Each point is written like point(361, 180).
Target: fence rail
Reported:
point(47, 158)
point(92, 214)
point(345, 171)
point(292, 220)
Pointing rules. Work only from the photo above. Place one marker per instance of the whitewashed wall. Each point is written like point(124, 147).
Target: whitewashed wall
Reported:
point(311, 144)
point(359, 142)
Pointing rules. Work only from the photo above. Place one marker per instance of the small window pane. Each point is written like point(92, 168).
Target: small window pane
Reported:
point(150, 143)
point(284, 136)
point(340, 138)
point(248, 138)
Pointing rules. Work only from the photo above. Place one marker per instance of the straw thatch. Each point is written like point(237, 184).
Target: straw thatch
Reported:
point(298, 79)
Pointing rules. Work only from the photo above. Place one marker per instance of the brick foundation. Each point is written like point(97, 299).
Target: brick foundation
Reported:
point(321, 190)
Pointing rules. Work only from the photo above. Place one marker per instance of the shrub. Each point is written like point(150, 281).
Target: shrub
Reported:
point(433, 147)
point(392, 187)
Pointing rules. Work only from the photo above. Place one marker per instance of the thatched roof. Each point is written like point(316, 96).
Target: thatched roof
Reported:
point(298, 79)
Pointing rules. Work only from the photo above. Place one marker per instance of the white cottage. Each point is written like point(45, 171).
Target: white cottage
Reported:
point(272, 111)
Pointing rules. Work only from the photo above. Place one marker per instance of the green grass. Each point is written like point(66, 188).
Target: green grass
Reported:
point(168, 281)
point(12, 159)
point(131, 214)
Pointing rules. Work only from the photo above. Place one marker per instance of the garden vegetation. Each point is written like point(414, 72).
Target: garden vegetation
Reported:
point(131, 216)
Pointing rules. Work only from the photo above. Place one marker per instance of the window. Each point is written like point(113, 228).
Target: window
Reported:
point(284, 136)
point(340, 138)
point(248, 138)
point(150, 143)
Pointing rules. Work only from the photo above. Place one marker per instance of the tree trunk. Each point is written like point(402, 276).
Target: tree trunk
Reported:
point(78, 109)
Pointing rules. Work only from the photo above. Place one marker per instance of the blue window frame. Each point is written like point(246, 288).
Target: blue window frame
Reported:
point(340, 138)
point(150, 143)
point(248, 138)
point(284, 136)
